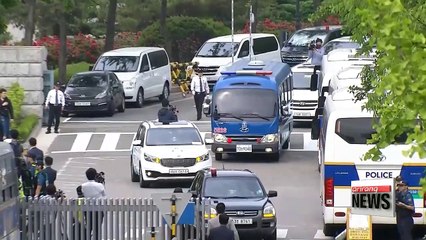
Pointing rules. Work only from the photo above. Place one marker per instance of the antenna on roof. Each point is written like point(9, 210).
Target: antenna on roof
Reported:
point(232, 30)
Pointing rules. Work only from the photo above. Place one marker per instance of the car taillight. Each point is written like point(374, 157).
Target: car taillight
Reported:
point(329, 192)
point(424, 200)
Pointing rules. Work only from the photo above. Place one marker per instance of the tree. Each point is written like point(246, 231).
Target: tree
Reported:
point(395, 89)
point(110, 25)
point(4, 6)
point(30, 22)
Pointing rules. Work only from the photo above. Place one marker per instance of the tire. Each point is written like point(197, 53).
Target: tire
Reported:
point(143, 183)
point(166, 92)
point(218, 156)
point(134, 176)
point(111, 109)
point(273, 236)
point(139, 98)
point(65, 114)
point(329, 230)
point(122, 106)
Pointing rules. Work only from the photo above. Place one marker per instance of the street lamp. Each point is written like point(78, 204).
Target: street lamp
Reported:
point(232, 30)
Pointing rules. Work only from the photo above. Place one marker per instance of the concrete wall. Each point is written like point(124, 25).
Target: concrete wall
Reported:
point(25, 65)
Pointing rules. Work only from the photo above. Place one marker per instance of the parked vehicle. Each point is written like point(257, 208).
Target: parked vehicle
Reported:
point(99, 91)
point(144, 72)
point(305, 96)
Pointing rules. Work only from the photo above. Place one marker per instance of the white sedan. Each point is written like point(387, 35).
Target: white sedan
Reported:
point(167, 152)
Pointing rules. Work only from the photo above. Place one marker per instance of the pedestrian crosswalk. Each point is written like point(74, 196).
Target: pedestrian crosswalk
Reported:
point(122, 141)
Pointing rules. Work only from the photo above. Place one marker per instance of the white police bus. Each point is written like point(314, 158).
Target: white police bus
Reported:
point(343, 136)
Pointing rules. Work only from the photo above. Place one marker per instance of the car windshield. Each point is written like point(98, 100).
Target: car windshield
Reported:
point(233, 187)
point(330, 46)
point(217, 49)
point(247, 103)
point(302, 38)
point(173, 136)
point(117, 64)
point(89, 81)
point(301, 80)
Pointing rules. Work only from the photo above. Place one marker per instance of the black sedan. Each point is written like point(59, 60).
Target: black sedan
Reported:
point(94, 92)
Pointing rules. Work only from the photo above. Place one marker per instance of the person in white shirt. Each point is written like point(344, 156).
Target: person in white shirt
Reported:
point(316, 52)
point(93, 190)
point(199, 88)
point(55, 102)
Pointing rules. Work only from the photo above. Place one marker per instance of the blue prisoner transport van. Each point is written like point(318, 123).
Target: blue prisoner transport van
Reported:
point(250, 109)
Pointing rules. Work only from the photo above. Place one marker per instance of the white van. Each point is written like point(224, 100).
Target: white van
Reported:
point(216, 54)
point(305, 100)
point(144, 72)
point(349, 76)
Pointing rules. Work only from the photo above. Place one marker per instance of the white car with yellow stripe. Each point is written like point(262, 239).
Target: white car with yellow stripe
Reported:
point(174, 151)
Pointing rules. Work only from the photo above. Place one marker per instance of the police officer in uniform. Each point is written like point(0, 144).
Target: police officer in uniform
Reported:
point(55, 102)
point(404, 212)
point(199, 88)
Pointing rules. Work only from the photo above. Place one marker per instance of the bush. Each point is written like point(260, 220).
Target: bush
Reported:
point(73, 69)
point(186, 35)
point(24, 124)
point(126, 39)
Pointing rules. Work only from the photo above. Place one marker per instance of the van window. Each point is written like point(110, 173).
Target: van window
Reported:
point(217, 49)
point(145, 64)
point(302, 38)
point(158, 59)
point(117, 63)
point(244, 52)
point(264, 45)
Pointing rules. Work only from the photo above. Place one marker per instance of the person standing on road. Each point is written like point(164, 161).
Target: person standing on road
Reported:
point(34, 150)
point(93, 190)
point(199, 88)
point(404, 212)
point(222, 232)
point(6, 113)
point(55, 102)
point(214, 222)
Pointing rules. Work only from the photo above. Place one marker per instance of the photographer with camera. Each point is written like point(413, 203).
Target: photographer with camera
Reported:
point(316, 52)
point(167, 113)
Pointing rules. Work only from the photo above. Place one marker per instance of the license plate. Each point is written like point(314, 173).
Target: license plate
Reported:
point(82, 103)
point(178, 171)
point(244, 148)
point(302, 114)
point(242, 221)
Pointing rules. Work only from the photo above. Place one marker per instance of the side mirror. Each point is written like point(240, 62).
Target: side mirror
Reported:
point(314, 82)
point(90, 67)
point(324, 90)
point(316, 124)
point(137, 143)
point(284, 110)
point(272, 194)
point(144, 68)
point(209, 141)
point(321, 101)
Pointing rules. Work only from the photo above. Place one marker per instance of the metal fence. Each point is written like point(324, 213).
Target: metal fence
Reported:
point(86, 219)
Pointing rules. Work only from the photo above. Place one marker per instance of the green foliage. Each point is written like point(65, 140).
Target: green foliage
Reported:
point(5, 5)
point(72, 69)
point(16, 96)
point(186, 34)
point(26, 126)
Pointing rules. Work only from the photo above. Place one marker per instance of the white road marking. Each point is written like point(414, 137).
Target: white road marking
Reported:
point(282, 233)
point(81, 142)
point(308, 143)
point(320, 235)
point(60, 171)
point(112, 142)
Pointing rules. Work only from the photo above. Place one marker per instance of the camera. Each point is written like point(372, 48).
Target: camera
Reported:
point(59, 194)
point(100, 177)
point(312, 45)
point(173, 109)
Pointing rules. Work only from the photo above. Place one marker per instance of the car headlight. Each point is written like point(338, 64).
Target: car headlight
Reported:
point(268, 211)
point(102, 94)
point(202, 158)
point(213, 213)
point(67, 96)
point(270, 138)
point(220, 138)
point(150, 158)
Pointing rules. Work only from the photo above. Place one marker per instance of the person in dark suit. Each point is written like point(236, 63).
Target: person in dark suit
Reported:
point(49, 173)
point(222, 232)
point(35, 151)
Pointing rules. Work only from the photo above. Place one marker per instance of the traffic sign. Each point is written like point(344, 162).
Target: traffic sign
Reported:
point(164, 204)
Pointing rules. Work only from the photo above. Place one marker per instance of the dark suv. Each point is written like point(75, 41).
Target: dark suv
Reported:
point(247, 203)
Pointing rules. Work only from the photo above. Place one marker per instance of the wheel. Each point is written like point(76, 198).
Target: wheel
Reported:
point(329, 230)
point(143, 183)
point(65, 114)
point(218, 156)
point(133, 174)
point(273, 236)
point(111, 109)
point(275, 157)
point(166, 92)
point(286, 144)
point(139, 98)
point(122, 106)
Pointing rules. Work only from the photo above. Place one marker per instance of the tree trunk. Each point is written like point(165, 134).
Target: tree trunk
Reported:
point(163, 27)
point(317, 4)
point(30, 22)
point(62, 46)
point(298, 19)
point(110, 25)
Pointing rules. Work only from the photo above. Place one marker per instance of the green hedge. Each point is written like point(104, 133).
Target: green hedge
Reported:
point(72, 69)
point(26, 126)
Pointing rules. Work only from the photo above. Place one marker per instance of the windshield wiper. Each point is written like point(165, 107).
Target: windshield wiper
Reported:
point(256, 115)
point(229, 115)
point(239, 197)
